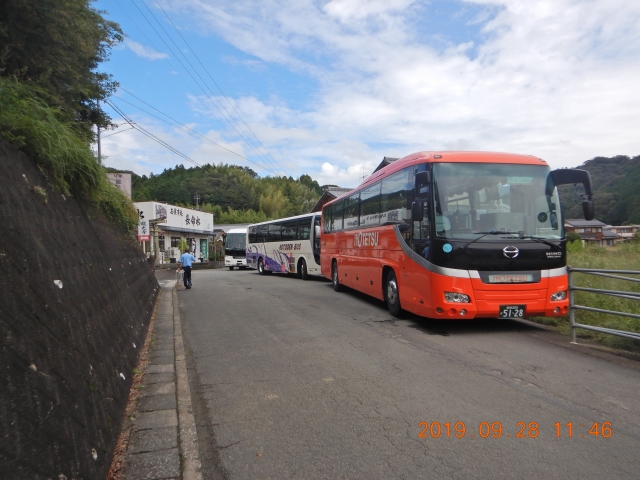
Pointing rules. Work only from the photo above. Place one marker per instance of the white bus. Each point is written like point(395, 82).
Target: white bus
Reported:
point(235, 248)
point(285, 245)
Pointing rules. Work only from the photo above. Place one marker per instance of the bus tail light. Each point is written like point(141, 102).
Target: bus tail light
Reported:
point(456, 297)
point(559, 296)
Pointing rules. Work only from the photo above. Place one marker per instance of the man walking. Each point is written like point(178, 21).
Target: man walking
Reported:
point(186, 261)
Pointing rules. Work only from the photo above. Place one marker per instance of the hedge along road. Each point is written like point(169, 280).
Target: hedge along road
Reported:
point(293, 380)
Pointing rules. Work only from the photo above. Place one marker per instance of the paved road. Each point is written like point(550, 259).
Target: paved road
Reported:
point(293, 380)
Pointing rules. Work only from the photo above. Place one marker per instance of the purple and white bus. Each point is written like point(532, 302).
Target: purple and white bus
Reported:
point(286, 245)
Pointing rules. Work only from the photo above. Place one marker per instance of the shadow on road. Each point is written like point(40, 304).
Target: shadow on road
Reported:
point(446, 328)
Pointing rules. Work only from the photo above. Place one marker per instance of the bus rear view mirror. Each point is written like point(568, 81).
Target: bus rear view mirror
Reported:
point(316, 231)
point(416, 211)
point(588, 209)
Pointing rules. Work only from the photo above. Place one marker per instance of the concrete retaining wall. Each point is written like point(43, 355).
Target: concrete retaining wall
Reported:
point(76, 300)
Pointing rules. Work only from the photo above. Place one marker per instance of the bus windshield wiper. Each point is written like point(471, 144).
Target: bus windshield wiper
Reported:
point(521, 236)
point(541, 240)
point(484, 234)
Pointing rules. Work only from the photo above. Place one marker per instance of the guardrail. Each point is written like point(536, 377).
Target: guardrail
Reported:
point(614, 293)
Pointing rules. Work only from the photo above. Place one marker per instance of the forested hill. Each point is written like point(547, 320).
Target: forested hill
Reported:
point(616, 186)
point(234, 194)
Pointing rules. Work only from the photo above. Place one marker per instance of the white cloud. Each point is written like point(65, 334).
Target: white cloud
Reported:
point(143, 51)
point(556, 79)
point(347, 10)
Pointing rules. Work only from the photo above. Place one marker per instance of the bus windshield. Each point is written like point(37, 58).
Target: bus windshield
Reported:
point(479, 199)
point(235, 242)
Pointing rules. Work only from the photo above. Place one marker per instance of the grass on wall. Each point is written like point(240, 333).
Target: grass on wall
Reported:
point(34, 127)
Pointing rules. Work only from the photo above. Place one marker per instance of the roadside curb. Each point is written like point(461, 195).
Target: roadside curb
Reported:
point(190, 452)
point(164, 442)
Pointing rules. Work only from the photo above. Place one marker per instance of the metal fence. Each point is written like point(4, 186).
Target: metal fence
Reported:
point(614, 293)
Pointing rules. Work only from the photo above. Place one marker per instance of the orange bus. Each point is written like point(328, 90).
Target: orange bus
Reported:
point(455, 235)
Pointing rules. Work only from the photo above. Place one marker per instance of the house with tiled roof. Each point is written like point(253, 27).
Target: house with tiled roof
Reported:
point(623, 233)
point(385, 161)
point(591, 231)
point(330, 193)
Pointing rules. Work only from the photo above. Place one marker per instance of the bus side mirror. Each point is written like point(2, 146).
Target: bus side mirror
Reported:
point(588, 209)
point(316, 231)
point(416, 211)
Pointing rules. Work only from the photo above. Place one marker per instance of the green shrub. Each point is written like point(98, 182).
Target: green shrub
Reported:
point(573, 237)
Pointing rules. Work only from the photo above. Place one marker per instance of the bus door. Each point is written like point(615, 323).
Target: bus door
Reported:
point(418, 289)
point(316, 239)
point(420, 235)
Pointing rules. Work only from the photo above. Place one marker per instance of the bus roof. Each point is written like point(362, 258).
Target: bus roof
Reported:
point(285, 219)
point(446, 157)
point(237, 230)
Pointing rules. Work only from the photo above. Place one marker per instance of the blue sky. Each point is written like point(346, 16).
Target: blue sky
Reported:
point(328, 88)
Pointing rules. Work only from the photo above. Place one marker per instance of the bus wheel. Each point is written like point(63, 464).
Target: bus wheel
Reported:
point(261, 269)
point(304, 275)
point(391, 294)
point(230, 268)
point(334, 277)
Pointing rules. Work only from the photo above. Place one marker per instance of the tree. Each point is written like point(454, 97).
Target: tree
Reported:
point(57, 45)
point(573, 237)
point(307, 181)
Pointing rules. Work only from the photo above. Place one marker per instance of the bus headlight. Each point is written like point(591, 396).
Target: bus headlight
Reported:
point(456, 297)
point(558, 296)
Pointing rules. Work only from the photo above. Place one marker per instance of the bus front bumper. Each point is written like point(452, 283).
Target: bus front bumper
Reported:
point(499, 300)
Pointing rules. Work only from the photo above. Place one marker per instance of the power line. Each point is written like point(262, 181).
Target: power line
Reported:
point(216, 84)
point(149, 134)
point(241, 134)
point(181, 126)
point(270, 169)
point(115, 133)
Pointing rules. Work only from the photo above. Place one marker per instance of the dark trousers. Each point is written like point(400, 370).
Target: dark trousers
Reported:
point(187, 276)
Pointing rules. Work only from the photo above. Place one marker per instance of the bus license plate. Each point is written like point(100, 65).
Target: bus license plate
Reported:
point(511, 311)
point(511, 278)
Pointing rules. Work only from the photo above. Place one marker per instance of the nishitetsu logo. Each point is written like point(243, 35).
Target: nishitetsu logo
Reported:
point(365, 239)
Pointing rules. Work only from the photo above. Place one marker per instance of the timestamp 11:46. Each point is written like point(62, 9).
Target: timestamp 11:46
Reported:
point(596, 429)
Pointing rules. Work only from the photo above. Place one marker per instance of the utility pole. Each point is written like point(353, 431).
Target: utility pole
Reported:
point(99, 148)
point(196, 197)
point(153, 228)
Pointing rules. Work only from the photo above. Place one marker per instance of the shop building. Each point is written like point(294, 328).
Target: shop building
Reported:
point(162, 227)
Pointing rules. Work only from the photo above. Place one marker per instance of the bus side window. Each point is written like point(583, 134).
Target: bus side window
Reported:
point(326, 218)
point(370, 206)
point(275, 232)
point(304, 226)
point(352, 211)
point(261, 233)
point(396, 197)
point(289, 230)
point(336, 216)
